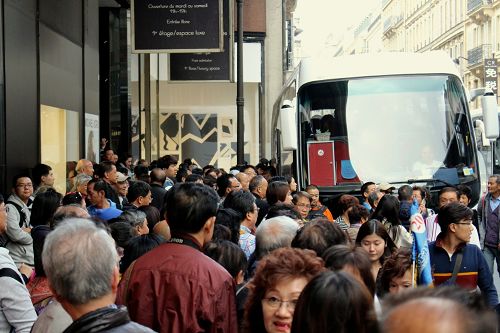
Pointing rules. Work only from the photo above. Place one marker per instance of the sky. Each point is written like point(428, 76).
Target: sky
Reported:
point(320, 18)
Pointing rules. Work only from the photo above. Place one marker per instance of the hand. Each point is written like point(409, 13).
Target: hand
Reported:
point(28, 229)
point(104, 142)
point(26, 270)
point(498, 246)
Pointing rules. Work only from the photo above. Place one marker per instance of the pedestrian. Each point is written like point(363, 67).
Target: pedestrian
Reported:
point(18, 234)
point(387, 212)
point(317, 209)
point(274, 290)
point(374, 239)
point(335, 302)
point(200, 293)
point(86, 290)
point(489, 222)
point(396, 274)
point(453, 260)
point(16, 311)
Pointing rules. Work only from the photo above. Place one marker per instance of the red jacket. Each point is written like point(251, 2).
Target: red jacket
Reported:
point(175, 288)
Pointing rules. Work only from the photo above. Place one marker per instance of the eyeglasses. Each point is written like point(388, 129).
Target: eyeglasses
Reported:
point(275, 303)
point(24, 185)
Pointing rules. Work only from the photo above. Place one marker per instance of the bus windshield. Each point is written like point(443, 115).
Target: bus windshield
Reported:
point(390, 128)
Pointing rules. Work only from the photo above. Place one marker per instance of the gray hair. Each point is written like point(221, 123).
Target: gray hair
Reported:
point(80, 179)
point(274, 233)
point(497, 177)
point(134, 217)
point(372, 197)
point(255, 182)
point(79, 259)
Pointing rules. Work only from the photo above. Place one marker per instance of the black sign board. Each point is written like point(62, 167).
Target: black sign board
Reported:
point(215, 66)
point(490, 74)
point(176, 26)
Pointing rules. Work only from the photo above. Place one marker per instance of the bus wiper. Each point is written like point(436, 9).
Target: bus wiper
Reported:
point(430, 180)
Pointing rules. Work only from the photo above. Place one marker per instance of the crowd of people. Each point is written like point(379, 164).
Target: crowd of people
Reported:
point(173, 247)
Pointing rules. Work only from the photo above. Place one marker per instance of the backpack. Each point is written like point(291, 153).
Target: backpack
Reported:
point(22, 215)
point(9, 272)
point(22, 219)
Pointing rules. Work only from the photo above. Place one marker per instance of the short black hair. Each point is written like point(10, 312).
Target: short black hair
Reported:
point(465, 190)
point(16, 178)
point(105, 166)
point(231, 219)
point(189, 206)
point(453, 212)
point(138, 189)
point(223, 182)
point(192, 178)
point(228, 255)
point(318, 235)
point(240, 201)
point(405, 193)
point(166, 161)
point(137, 246)
point(364, 187)
point(39, 171)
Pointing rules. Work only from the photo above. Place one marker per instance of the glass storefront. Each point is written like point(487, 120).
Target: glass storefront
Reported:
point(60, 141)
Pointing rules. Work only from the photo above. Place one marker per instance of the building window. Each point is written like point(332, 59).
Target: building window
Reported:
point(60, 141)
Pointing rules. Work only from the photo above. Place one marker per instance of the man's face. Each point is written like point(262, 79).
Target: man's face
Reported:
point(112, 176)
point(122, 188)
point(108, 155)
point(244, 180)
point(446, 198)
point(49, 179)
point(171, 171)
point(369, 190)
point(262, 189)
point(88, 169)
point(314, 193)
point(93, 195)
point(24, 188)
point(493, 187)
point(234, 185)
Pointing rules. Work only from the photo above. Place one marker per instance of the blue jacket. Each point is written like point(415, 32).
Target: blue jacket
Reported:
point(473, 273)
point(105, 213)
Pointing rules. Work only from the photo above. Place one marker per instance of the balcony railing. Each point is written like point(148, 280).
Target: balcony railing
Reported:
point(478, 54)
point(472, 5)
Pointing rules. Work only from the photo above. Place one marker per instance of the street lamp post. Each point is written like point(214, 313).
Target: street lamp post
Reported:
point(240, 101)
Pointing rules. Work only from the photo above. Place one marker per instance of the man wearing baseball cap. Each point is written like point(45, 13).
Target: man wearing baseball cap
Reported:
point(386, 188)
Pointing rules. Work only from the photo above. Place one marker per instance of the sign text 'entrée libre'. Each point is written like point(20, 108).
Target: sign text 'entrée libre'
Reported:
point(176, 26)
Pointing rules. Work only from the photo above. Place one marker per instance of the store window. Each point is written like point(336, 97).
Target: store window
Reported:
point(59, 138)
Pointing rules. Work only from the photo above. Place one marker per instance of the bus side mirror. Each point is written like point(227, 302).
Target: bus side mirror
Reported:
point(480, 135)
point(490, 115)
point(288, 126)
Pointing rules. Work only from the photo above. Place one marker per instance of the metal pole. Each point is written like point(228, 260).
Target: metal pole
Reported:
point(240, 101)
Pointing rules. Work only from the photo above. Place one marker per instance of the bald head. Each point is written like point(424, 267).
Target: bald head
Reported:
point(244, 180)
point(158, 176)
point(441, 315)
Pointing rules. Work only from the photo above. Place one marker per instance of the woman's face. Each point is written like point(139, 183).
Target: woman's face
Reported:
point(303, 206)
point(288, 199)
point(293, 185)
point(279, 303)
point(401, 283)
point(374, 245)
point(82, 188)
